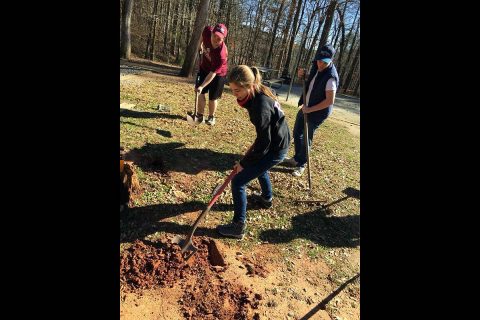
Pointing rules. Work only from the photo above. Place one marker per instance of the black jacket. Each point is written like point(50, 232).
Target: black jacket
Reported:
point(271, 127)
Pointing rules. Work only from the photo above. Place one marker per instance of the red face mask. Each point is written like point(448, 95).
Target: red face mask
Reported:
point(243, 102)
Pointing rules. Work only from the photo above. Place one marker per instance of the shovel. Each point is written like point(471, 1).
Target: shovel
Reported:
point(305, 137)
point(191, 118)
point(188, 248)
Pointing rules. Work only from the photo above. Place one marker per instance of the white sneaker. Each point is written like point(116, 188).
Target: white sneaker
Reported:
point(298, 171)
point(210, 120)
point(289, 162)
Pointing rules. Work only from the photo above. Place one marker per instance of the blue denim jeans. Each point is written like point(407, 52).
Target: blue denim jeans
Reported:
point(260, 171)
point(314, 120)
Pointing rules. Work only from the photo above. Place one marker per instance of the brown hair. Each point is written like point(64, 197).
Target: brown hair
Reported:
point(245, 77)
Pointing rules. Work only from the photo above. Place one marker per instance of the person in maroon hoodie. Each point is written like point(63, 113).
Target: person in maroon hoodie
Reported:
point(213, 71)
point(270, 146)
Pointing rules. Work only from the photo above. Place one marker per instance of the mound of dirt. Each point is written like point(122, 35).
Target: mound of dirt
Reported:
point(207, 295)
point(129, 186)
point(143, 266)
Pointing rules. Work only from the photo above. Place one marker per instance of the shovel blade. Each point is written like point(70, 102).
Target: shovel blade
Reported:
point(188, 249)
point(190, 120)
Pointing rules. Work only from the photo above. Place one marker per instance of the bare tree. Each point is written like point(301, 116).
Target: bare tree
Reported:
point(126, 47)
point(341, 17)
point(351, 49)
point(286, 67)
point(328, 24)
point(346, 84)
point(341, 23)
point(200, 22)
point(268, 60)
point(309, 57)
point(150, 49)
point(285, 33)
point(173, 39)
point(166, 32)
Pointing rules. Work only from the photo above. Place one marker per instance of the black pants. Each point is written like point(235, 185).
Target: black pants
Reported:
point(215, 87)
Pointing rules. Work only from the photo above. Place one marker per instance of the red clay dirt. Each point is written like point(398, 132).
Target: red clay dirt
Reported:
point(207, 295)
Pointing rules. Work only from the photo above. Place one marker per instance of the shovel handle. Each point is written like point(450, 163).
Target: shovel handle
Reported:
point(305, 135)
point(222, 188)
point(210, 204)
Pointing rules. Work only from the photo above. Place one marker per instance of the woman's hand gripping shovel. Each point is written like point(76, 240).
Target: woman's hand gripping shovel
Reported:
point(188, 248)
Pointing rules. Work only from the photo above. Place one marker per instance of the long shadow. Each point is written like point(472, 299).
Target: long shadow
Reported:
point(319, 227)
point(127, 113)
point(164, 133)
point(174, 157)
point(138, 222)
point(137, 125)
point(349, 193)
point(323, 304)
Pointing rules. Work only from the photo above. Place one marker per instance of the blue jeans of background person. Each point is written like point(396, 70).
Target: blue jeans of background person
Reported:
point(260, 171)
point(314, 120)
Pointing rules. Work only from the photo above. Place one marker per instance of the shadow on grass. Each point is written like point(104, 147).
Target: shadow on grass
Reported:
point(127, 113)
point(319, 227)
point(139, 222)
point(323, 304)
point(163, 133)
point(174, 157)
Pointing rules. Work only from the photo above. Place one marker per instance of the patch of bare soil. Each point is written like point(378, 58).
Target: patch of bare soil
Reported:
point(207, 295)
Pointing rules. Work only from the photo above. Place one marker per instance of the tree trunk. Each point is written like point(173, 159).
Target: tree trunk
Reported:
point(352, 46)
point(302, 45)
point(173, 41)
point(352, 69)
point(126, 46)
point(165, 35)
point(341, 23)
point(285, 72)
point(193, 45)
point(229, 12)
point(304, 37)
point(151, 33)
point(258, 26)
point(268, 60)
point(312, 45)
point(357, 86)
point(336, 29)
point(328, 24)
point(246, 44)
point(342, 41)
point(189, 24)
point(221, 11)
point(285, 34)
point(180, 32)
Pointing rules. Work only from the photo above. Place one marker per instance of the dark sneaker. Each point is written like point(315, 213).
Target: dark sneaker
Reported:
point(289, 162)
point(257, 197)
point(210, 120)
point(234, 230)
point(199, 118)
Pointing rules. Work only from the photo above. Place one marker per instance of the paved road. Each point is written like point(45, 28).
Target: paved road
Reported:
point(348, 103)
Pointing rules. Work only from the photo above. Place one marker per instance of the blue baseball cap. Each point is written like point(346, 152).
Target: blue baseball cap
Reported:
point(325, 54)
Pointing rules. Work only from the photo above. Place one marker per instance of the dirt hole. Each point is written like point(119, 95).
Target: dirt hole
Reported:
point(207, 295)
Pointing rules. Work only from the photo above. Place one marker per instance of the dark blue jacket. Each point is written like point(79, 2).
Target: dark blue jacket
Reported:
point(318, 91)
point(271, 127)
